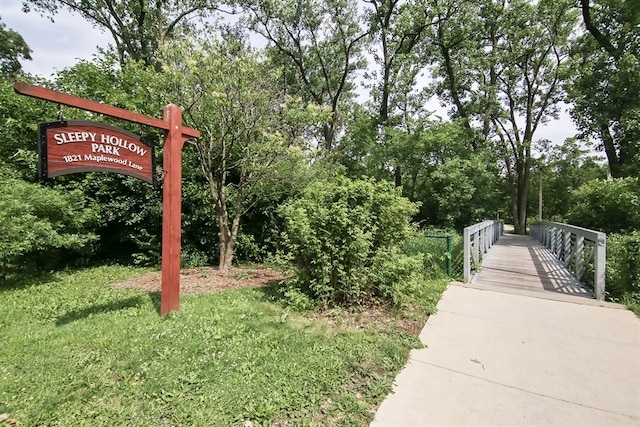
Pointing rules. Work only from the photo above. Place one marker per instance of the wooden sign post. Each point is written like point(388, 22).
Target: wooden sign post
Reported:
point(175, 137)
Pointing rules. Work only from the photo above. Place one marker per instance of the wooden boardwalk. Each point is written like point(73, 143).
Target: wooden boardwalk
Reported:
point(519, 264)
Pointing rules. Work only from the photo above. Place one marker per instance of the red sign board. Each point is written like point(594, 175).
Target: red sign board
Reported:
point(79, 146)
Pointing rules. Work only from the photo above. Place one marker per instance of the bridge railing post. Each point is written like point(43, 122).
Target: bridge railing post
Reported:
point(579, 257)
point(600, 266)
point(566, 251)
point(466, 254)
point(478, 240)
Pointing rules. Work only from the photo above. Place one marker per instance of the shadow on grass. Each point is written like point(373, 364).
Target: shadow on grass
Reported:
point(23, 279)
point(123, 304)
point(272, 291)
point(154, 297)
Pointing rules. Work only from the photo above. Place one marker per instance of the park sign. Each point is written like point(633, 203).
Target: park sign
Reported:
point(81, 146)
point(175, 136)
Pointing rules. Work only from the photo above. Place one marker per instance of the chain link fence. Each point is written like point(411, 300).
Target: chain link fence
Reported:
point(442, 253)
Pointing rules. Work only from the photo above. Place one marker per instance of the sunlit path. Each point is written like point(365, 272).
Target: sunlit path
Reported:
point(523, 344)
point(519, 264)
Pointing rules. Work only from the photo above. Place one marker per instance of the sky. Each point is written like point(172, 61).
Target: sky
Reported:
point(60, 44)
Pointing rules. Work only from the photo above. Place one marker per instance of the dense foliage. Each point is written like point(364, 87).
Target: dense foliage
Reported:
point(294, 95)
point(343, 236)
point(611, 206)
point(605, 80)
point(623, 271)
point(40, 225)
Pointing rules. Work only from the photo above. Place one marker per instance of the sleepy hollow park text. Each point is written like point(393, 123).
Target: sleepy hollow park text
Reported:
point(67, 147)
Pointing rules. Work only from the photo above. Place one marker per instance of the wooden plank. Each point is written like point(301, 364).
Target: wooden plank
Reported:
point(519, 262)
point(96, 107)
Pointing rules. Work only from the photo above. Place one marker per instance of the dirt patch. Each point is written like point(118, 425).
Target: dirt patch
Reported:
point(207, 279)
point(365, 316)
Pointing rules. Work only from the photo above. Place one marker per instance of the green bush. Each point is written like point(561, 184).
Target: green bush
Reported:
point(342, 237)
point(611, 206)
point(40, 225)
point(623, 268)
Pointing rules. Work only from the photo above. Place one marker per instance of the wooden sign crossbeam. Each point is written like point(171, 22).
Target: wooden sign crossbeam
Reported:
point(175, 137)
point(96, 107)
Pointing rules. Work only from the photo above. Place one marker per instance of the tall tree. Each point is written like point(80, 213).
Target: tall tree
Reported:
point(13, 48)
point(319, 44)
point(230, 95)
point(511, 82)
point(466, 82)
point(605, 81)
point(138, 28)
point(398, 29)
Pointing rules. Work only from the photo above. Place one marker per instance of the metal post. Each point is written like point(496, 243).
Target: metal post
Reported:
point(566, 251)
point(540, 199)
point(600, 260)
point(449, 267)
point(466, 254)
point(579, 257)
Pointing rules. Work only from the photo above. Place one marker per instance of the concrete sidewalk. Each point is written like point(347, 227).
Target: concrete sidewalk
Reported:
point(506, 359)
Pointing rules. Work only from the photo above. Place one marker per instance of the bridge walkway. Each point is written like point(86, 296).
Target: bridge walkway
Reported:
point(522, 345)
point(519, 264)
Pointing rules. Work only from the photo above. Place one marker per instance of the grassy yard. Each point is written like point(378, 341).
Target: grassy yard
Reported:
point(77, 351)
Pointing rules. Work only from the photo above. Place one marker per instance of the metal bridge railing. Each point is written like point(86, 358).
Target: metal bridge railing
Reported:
point(577, 248)
point(478, 239)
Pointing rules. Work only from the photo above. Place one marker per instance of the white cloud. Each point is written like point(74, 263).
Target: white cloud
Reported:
point(55, 45)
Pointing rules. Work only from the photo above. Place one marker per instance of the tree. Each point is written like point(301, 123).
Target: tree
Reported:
point(318, 44)
point(398, 29)
point(605, 81)
point(138, 28)
point(19, 116)
point(514, 63)
point(12, 49)
point(230, 96)
point(562, 169)
point(462, 30)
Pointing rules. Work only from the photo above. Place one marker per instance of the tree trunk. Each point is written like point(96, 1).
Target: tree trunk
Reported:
point(227, 246)
point(610, 151)
point(519, 205)
point(397, 173)
point(225, 239)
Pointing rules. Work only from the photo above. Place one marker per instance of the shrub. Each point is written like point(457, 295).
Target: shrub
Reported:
point(623, 271)
point(39, 224)
point(341, 238)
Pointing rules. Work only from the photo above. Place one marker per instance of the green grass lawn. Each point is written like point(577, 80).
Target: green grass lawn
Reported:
point(76, 351)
